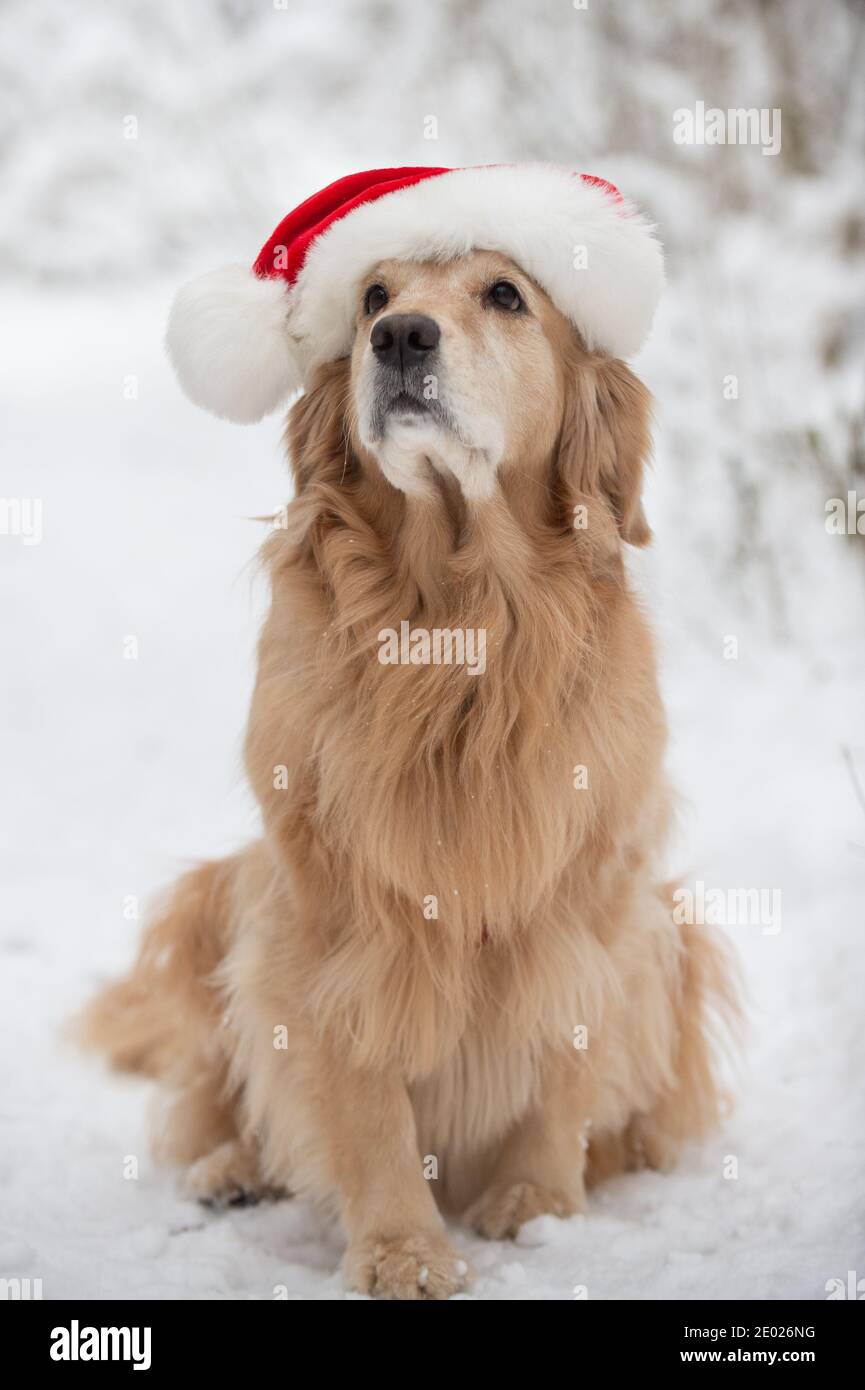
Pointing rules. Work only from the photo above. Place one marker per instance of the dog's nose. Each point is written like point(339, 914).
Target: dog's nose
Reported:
point(403, 340)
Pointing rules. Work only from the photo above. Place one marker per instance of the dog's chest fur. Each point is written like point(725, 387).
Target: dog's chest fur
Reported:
point(450, 868)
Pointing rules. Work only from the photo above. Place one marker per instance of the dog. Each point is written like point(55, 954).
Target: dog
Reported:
point(447, 979)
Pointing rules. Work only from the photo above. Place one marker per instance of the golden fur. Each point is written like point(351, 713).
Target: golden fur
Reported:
point(382, 787)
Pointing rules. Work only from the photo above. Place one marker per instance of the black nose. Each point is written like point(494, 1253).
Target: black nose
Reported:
point(403, 340)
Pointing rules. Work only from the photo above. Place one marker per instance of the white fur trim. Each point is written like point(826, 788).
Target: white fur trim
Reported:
point(241, 345)
point(537, 214)
point(229, 343)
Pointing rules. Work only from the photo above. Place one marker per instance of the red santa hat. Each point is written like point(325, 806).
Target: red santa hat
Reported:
point(242, 340)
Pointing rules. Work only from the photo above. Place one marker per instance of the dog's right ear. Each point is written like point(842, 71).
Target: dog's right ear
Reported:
point(317, 431)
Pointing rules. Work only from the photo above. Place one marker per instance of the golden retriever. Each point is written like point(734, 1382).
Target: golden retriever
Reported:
point(447, 978)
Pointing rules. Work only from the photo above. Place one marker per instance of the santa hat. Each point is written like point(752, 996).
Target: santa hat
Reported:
point(242, 340)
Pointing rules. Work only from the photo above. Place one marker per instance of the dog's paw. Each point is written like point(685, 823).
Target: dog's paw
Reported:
point(505, 1207)
point(406, 1267)
point(227, 1177)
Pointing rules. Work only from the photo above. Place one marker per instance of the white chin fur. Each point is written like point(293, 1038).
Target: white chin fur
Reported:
point(228, 341)
point(413, 446)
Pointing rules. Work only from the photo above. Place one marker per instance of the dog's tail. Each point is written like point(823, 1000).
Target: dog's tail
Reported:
point(149, 1021)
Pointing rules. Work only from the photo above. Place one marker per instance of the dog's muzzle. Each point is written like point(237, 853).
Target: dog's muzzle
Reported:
point(405, 383)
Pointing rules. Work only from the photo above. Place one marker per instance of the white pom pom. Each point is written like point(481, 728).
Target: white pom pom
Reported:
point(229, 344)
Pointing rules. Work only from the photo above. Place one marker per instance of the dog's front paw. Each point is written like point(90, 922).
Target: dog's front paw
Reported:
point(406, 1267)
point(505, 1207)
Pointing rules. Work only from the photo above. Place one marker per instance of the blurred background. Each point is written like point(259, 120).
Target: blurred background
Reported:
point(141, 144)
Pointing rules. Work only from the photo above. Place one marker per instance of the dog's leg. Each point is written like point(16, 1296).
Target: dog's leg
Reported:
point(344, 1134)
point(540, 1168)
point(397, 1247)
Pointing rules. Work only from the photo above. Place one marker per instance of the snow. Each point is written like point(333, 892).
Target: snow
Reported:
point(117, 773)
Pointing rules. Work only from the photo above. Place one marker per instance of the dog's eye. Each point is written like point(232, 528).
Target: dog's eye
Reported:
point(375, 299)
point(505, 296)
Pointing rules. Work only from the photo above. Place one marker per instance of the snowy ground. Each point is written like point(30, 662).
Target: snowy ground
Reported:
point(116, 772)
